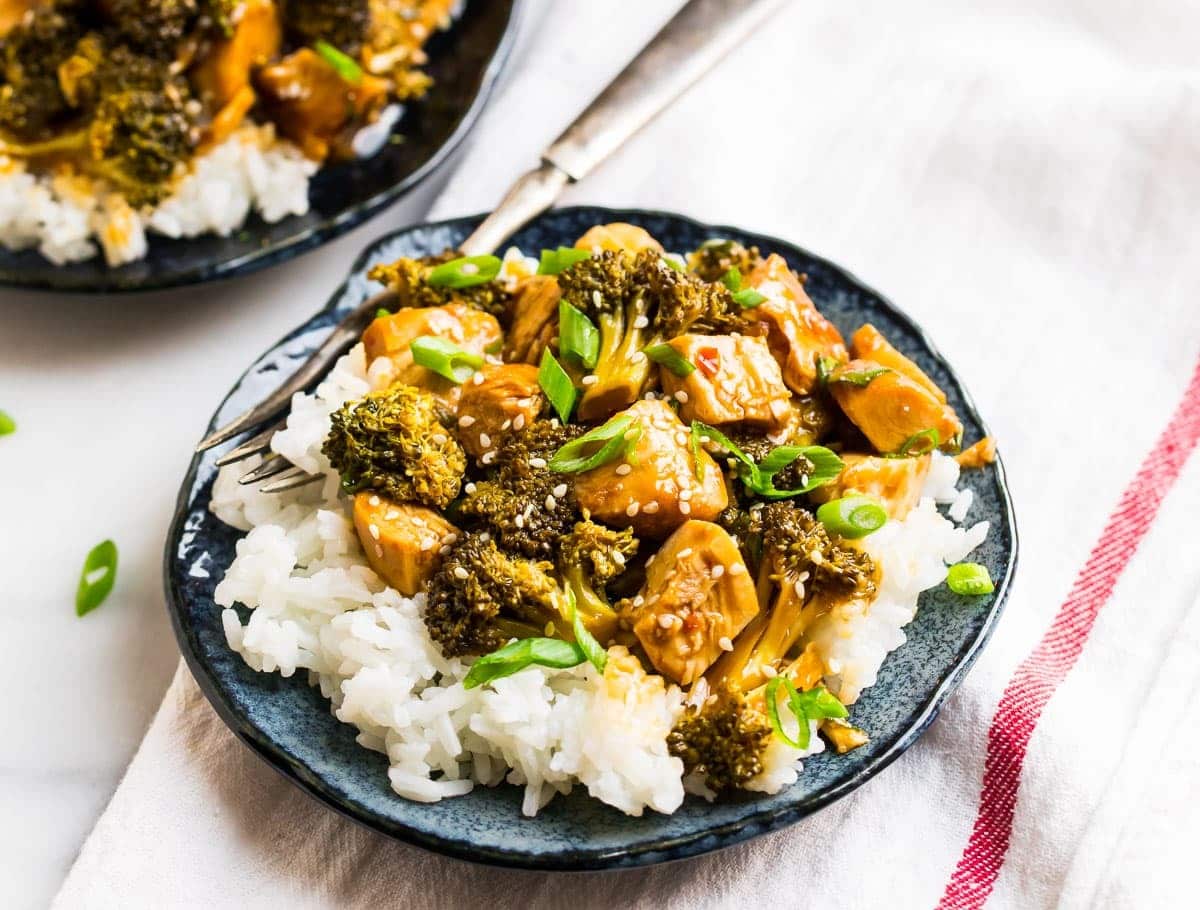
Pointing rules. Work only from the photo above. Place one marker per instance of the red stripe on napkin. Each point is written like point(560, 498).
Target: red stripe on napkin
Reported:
point(1040, 674)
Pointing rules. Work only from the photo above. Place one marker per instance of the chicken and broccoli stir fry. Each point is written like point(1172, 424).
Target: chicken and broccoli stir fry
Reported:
point(679, 457)
point(128, 92)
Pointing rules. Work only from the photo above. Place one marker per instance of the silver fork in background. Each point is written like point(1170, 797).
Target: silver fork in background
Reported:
point(690, 44)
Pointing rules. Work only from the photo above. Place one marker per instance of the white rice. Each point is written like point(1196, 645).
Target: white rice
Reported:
point(71, 218)
point(317, 607)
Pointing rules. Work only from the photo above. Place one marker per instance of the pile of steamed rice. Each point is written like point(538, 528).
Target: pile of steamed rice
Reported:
point(66, 216)
point(316, 606)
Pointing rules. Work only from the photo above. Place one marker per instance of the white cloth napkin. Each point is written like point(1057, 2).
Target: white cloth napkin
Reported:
point(1022, 176)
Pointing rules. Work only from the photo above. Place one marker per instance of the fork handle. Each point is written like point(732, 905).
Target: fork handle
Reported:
point(695, 39)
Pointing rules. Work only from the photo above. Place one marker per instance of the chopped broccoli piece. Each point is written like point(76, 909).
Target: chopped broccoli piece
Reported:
point(343, 23)
point(589, 557)
point(797, 543)
point(713, 260)
point(32, 104)
point(407, 278)
point(481, 597)
point(723, 741)
point(154, 27)
point(393, 441)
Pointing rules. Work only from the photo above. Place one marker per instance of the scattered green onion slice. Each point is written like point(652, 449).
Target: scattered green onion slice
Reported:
point(852, 516)
point(612, 440)
point(672, 261)
point(811, 705)
point(444, 358)
point(7, 424)
point(464, 273)
point(494, 347)
point(748, 298)
point(759, 478)
point(525, 652)
point(921, 443)
point(825, 366)
point(667, 356)
point(557, 385)
point(772, 696)
point(96, 579)
point(347, 67)
point(860, 378)
point(587, 643)
point(555, 261)
point(733, 279)
point(696, 446)
point(382, 313)
point(578, 337)
point(969, 578)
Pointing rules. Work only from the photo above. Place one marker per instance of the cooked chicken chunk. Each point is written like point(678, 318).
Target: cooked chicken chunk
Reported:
point(255, 40)
point(697, 597)
point(736, 380)
point(979, 455)
point(508, 399)
point(895, 482)
point(402, 541)
point(868, 343)
point(533, 318)
point(890, 408)
point(658, 489)
point(12, 12)
point(617, 236)
point(391, 337)
point(796, 333)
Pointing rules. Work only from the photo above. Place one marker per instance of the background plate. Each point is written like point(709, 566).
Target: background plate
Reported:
point(464, 63)
point(290, 726)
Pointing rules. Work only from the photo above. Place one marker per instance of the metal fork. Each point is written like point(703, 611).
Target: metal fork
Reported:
point(693, 41)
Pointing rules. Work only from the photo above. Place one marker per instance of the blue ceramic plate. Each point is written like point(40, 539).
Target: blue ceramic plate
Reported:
point(464, 63)
point(290, 725)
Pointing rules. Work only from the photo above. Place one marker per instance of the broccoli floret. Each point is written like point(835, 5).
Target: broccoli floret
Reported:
point(32, 104)
point(638, 300)
point(723, 741)
point(342, 23)
point(481, 597)
point(589, 557)
point(407, 278)
point(393, 441)
point(154, 27)
point(513, 503)
point(716, 257)
point(799, 546)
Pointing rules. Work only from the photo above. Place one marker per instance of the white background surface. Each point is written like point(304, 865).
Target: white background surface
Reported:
point(1060, 135)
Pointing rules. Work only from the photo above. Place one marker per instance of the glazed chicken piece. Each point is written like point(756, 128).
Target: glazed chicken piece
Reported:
point(796, 333)
point(697, 597)
point(894, 482)
point(12, 12)
point(390, 337)
point(402, 541)
point(735, 380)
point(890, 408)
point(533, 319)
point(254, 42)
point(314, 106)
point(617, 236)
point(658, 489)
point(979, 455)
point(868, 343)
point(508, 399)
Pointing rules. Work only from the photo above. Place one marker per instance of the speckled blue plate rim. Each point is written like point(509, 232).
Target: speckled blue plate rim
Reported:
point(319, 234)
point(663, 849)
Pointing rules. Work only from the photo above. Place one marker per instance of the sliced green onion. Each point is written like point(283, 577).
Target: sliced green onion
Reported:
point(7, 424)
point(555, 261)
point(587, 643)
point(667, 356)
point(811, 705)
point(921, 443)
point(525, 652)
point(345, 65)
point(464, 273)
point(825, 366)
point(748, 298)
point(696, 447)
point(96, 579)
point(852, 516)
point(578, 337)
point(772, 696)
point(557, 385)
point(382, 313)
point(969, 578)
point(611, 440)
point(671, 261)
point(860, 378)
point(494, 347)
point(733, 279)
point(759, 478)
point(444, 358)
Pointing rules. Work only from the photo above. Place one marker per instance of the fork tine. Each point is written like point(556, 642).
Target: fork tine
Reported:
point(343, 337)
point(290, 480)
point(259, 442)
point(276, 464)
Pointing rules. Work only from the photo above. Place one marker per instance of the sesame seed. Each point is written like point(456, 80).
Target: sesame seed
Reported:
point(596, 298)
point(449, 539)
point(651, 507)
point(640, 322)
point(711, 700)
point(590, 379)
point(460, 573)
point(666, 620)
point(684, 553)
point(504, 426)
point(804, 576)
point(725, 643)
point(623, 469)
point(427, 544)
point(632, 509)
point(485, 440)
point(681, 396)
point(551, 502)
point(374, 531)
point(485, 537)
point(519, 422)
point(392, 515)
point(470, 487)
point(444, 550)
point(681, 437)
point(488, 457)
point(685, 494)
point(769, 672)
point(466, 420)
point(439, 439)
point(618, 557)
point(378, 551)
point(638, 357)
point(560, 491)
point(650, 561)
point(639, 600)
point(469, 268)
point(374, 500)
point(737, 569)
point(478, 380)
point(718, 571)
point(537, 462)
point(685, 508)
point(519, 521)
point(419, 522)
point(799, 586)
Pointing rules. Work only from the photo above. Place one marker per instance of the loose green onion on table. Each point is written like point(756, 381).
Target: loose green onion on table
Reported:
point(97, 577)
point(7, 424)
